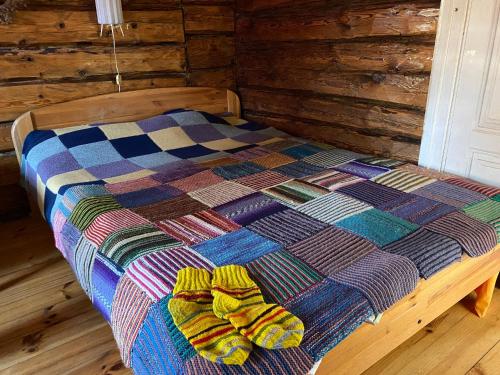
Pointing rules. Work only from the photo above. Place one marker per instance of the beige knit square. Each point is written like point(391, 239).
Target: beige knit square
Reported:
point(273, 160)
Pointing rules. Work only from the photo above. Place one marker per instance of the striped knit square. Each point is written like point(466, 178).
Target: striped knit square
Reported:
point(171, 209)
point(239, 247)
point(108, 222)
point(148, 196)
point(250, 208)
point(281, 145)
point(130, 307)
point(430, 252)
point(475, 237)
point(153, 351)
point(330, 312)
point(295, 192)
point(197, 181)
point(496, 198)
point(372, 193)
point(424, 171)
point(234, 171)
point(378, 226)
point(382, 162)
point(402, 180)
point(332, 207)
point(332, 180)
point(287, 227)
point(217, 162)
point(301, 151)
point(488, 211)
point(83, 264)
point(251, 153)
point(489, 191)
point(282, 276)
point(331, 250)
point(262, 180)
point(198, 227)
point(298, 169)
point(155, 274)
point(273, 160)
point(382, 277)
point(260, 362)
point(452, 195)
point(361, 170)
point(417, 209)
point(133, 185)
point(69, 238)
point(126, 245)
point(89, 208)
point(105, 277)
point(331, 158)
point(57, 226)
point(221, 193)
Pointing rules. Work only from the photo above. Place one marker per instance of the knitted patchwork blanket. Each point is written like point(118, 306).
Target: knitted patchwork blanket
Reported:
point(334, 236)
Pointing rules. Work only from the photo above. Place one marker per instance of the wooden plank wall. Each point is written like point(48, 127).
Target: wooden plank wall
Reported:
point(352, 73)
point(52, 52)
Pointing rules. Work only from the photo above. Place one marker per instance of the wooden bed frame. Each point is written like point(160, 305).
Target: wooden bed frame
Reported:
point(366, 345)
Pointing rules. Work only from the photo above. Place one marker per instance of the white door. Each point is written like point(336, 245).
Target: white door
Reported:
point(462, 130)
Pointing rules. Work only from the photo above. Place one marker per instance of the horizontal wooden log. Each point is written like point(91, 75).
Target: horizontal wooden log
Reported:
point(15, 100)
point(341, 137)
point(81, 62)
point(90, 4)
point(201, 19)
point(65, 27)
point(5, 138)
point(362, 116)
point(210, 51)
point(324, 20)
point(220, 77)
point(393, 88)
point(403, 56)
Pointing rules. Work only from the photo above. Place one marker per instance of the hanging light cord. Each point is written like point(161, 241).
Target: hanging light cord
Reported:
point(118, 76)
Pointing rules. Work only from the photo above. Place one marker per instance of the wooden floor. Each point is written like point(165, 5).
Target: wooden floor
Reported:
point(48, 326)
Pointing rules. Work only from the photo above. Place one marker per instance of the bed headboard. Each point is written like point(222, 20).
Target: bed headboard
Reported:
point(123, 107)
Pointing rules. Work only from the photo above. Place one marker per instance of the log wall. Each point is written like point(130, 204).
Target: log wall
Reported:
point(52, 52)
point(351, 73)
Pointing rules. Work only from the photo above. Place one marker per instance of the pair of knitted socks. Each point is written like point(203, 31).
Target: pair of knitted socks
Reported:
point(222, 314)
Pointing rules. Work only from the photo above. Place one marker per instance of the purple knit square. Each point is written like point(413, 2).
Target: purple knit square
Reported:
point(157, 123)
point(251, 137)
point(372, 193)
point(57, 164)
point(116, 168)
point(202, 133)
point(361, 170)
point(176, 170)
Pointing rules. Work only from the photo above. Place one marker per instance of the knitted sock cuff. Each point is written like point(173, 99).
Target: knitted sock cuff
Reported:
point(232, 276)
point(191, 279)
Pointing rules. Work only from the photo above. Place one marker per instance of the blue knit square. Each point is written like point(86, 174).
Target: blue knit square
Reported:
point(137, 145)
point(233, 171)
point(301, 151)
point(82, 137)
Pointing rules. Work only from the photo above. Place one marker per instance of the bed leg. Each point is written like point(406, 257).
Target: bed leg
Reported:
point(484, 295)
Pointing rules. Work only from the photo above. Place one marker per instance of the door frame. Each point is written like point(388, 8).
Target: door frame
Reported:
point(453, 21)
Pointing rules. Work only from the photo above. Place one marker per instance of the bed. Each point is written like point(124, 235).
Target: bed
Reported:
point(139, 184)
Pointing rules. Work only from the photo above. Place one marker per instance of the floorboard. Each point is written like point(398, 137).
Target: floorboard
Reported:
point(48, 325)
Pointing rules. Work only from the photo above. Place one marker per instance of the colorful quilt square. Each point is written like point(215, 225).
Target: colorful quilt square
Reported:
point(105, 277)
point(372, 193)
point(155, 274)
point(171, 209)
point(239, 247)
point(295, 192)
point(281, 276)
point(449, 194)
point(301, 151)
point(153, 160)
point(487, 211)
point(489, 191)
point(330, 312)
point(120, 130)
point(382, 162)
point(221, 193)
point(56, 165)
point(39, 152)
point(361, 170)
point(281, 144)
point(430, 252)
point(198, 227)
point(251, 153)
point(129, 147)
point(250, 208)
point(176, 170)
point(417, 209)
point(403, 180)
point(233, 171)
point(197, 181)
point(378, 226)
point(331, 250)
point(117, 168)
point(191, 152)
point(81, 137)
point(83, 263)
point(298, 169)
point(273, 160)
point(87, 209)
point(262, 180)
point(126, 245)
point(97, 153)
point(331, 158)
point(332, 180)
point(287, 227)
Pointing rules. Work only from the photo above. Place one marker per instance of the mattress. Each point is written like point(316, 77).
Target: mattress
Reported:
point(334, 236)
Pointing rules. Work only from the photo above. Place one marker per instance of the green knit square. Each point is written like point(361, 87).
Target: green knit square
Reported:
point(89, 208)
point(487, 211)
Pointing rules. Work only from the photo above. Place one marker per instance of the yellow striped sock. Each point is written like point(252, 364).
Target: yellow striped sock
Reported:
point(238, 299)
point(191, 308)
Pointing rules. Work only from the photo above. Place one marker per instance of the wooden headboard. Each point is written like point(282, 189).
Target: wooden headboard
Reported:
point(123, 107)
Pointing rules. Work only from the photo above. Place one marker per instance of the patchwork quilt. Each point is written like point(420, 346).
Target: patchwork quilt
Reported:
point(334, 236)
